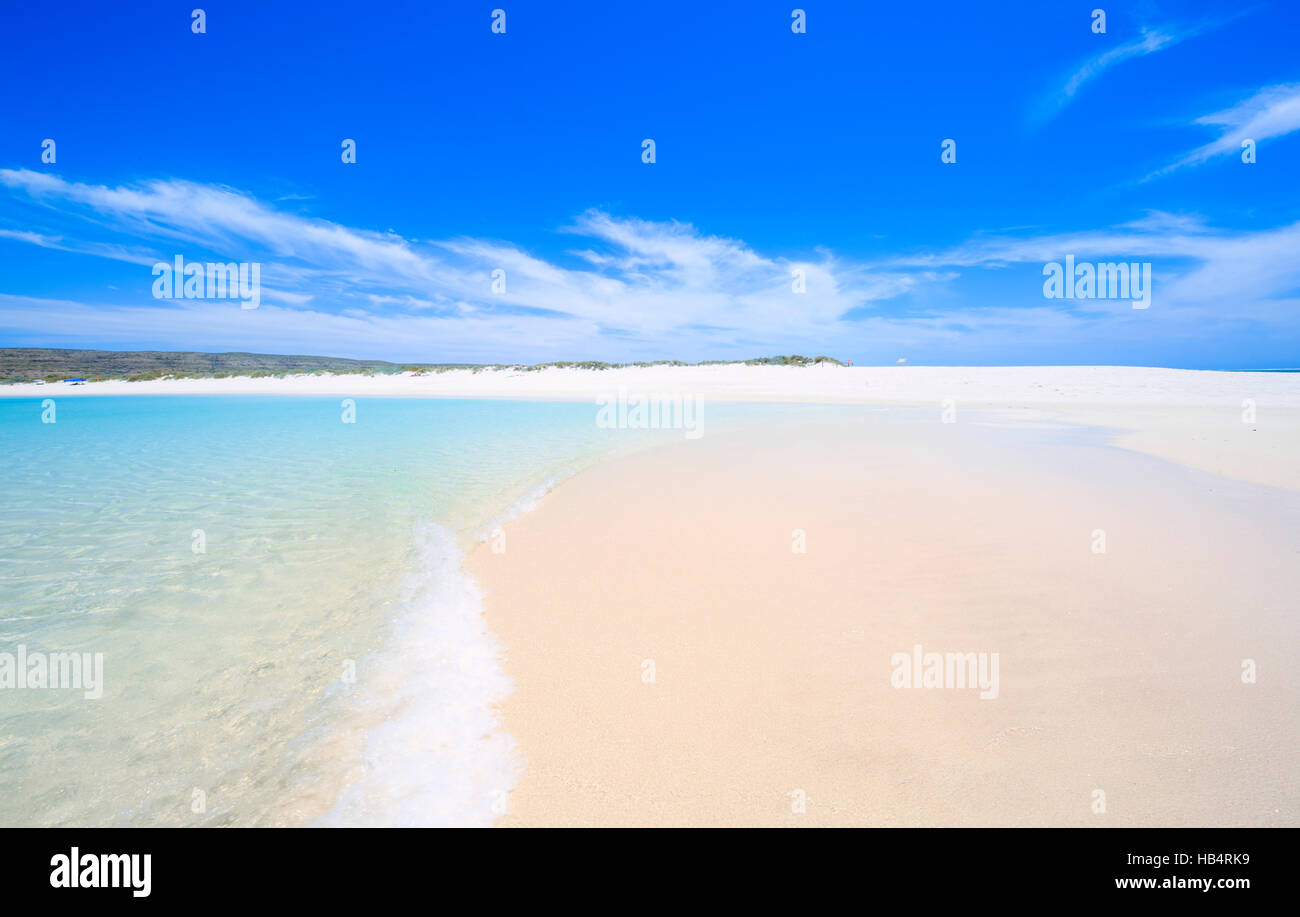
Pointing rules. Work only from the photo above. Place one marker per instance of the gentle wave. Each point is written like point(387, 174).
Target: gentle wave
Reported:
point(435, 752)
point(525, 503)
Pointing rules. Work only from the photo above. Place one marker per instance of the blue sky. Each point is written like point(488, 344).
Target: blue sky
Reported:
point(776, 152)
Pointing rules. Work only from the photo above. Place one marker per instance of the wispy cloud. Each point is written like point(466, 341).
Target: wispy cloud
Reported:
point(1151, 40)
point(635, 278)
point(1200, 269)
point(634, 287)
point(57, 243)
point(1271, 112)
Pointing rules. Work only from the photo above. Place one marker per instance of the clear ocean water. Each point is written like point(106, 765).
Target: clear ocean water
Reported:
point(287, 634)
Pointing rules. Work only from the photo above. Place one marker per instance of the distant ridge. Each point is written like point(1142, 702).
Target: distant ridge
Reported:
point(21, 364)
point(27, 364)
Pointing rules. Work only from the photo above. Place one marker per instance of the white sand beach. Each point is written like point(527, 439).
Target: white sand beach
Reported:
point(704, 632)
point(678, 662)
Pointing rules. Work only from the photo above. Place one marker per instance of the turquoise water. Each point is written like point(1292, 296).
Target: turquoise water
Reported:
point(286, 634)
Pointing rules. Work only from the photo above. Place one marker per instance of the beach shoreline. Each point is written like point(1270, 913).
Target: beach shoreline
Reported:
point(677, 661)
point(823, 383)
point(700, 629)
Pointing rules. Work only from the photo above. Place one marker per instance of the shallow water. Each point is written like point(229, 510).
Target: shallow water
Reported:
point(286, 633)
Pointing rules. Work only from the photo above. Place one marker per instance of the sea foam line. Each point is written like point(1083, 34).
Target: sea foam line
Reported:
point(440, 756)
point(525, 503)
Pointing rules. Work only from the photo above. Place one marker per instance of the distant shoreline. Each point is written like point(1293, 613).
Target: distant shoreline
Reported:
point(49, 364)
point(818, 382)
point(19, 365)
point(1244, 425)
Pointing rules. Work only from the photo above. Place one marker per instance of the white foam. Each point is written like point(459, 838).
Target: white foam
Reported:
point(526, 503)
point(435, 752)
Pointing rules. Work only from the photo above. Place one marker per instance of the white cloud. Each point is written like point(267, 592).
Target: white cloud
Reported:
point(1152, 40)
point(1198, 269)
point(1270, 112)
point(633, 289)
point(219, 326)
point(57, 243)
point(649, 279)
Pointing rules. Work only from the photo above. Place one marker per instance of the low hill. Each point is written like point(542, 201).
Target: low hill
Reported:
point(27, 364)
point(21, 364)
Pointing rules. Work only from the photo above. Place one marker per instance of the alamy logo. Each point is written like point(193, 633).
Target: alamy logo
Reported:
point(955, 671)
point(78, 671)
point(652, 411)
point(104, 870)
point(206, 280)
point(1107, 280)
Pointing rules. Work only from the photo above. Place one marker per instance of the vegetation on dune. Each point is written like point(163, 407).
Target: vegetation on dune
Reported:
point(29, 364)
point(792, 360)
